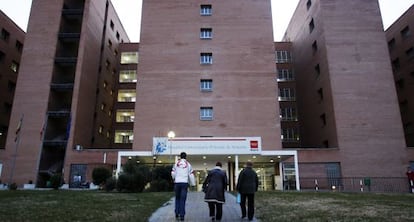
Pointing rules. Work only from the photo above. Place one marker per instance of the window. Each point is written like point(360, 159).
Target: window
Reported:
point(19, 46)
point(100, 130)
point(129, 58)
point(325, 143)
point(5, 35)
point(105, 84)
point(333, 171)
point(410, 53)
point(11, 86)
point(285, 75)
point(405, 33)
point(124, 136)
point(2, 55)
point(112, 25)
point(311, 26)
point(314, 46)
point(125, 116)
point(109, 43)
point(14, 66)
point(206, 58)
point(283, 57)
point(286, 94)
point(7, 107)
point(206, 113)
point(117, 35)
point(107, 64)
point(404, 106)
point(288, 114)
point(408, 128)
point(396, 65)
point(400, 83)
point(103, 105)
point(127, 76)
point(320, 93)
point(206, 85)
point(206, 33)
point(323, 119)
point(317, 70)
point(391, 44)
point(125, 95)
point(290, 135)
point(308, 4)
point(205, 10)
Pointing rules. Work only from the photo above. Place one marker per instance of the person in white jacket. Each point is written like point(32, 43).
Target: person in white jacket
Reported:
point(182, 174)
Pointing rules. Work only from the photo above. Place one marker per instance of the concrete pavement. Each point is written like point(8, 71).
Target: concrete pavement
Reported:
point(197, 210)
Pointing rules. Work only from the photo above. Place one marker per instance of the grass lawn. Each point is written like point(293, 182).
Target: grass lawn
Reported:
point(67, 205)
point(327, 206)
point(70, 205)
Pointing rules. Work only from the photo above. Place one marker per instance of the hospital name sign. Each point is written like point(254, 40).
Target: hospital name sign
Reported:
point(206, 145)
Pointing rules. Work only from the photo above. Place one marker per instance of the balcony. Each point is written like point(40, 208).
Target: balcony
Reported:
point(69, 37)
point(58, 113)
point(284, 99)
point(61, 86)
point(66, 61)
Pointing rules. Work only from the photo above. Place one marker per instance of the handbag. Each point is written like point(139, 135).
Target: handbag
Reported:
point(238, 198)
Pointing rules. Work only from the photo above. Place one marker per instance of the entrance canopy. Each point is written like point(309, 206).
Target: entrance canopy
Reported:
point(203, 152)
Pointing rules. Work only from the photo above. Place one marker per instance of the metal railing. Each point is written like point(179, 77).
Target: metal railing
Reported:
point(357, 184)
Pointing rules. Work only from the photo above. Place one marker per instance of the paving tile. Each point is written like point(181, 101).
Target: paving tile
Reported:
point(197, 210)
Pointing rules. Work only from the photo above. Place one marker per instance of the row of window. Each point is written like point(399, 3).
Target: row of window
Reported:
point(112, 25)
point(290, 135)
point(405, 33)
point(283, 57)
point(5, 36)
point(396, 65)
point(14, 66)
point(287, 94)
point(285, 75)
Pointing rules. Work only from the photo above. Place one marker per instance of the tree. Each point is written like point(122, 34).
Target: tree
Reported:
point(100, 175)
point(134, 177)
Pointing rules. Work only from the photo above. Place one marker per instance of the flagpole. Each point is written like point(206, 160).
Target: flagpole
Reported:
point(16, 146)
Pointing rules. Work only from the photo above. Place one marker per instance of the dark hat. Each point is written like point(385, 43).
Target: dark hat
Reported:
point(183, 155)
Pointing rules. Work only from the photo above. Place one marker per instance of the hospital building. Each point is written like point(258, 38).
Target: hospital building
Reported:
point(318, 109)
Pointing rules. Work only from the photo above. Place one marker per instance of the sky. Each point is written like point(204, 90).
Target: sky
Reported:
point(129, 12)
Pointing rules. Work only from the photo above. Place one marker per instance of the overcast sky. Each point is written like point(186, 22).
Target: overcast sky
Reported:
point(129, 12)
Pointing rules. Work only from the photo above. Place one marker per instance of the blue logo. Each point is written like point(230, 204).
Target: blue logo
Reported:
point(160, 147)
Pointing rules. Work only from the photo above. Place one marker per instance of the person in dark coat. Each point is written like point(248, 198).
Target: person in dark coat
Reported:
point(214, 187)
point(247, 185)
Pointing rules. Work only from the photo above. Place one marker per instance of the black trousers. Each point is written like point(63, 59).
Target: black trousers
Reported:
point(250, 205)
point(216, 210)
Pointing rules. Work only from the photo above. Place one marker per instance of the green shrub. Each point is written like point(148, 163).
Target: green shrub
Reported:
point(110, 184)
point(100, 175)
point(161, 179)
point(13, 186)
point(134, 177)
point(56, 181)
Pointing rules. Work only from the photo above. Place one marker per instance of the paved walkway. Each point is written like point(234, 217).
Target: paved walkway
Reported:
point(197, 210)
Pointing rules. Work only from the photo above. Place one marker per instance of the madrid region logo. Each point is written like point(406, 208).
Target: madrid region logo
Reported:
point(160, 146)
